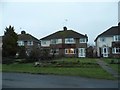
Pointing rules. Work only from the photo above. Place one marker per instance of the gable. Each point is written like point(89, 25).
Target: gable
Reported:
point(110, 32)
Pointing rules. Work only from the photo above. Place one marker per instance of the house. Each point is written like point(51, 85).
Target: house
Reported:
point(0, 49)
point(0, 43)
point(108, 42)
point(28, 41)
point(66, 43)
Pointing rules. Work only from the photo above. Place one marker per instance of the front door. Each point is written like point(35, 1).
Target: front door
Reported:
point(81, 52)
point(105, 52)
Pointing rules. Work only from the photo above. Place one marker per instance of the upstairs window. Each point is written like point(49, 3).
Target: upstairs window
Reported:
point(102, 39)
point(83, 40)
point(44, 42)
point(69, 40)
point(54, 41)
point(116, 38)
point(20, 43)
point(30, 43)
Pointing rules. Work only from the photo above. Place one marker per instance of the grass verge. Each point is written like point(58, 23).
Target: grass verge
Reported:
point(96, 72)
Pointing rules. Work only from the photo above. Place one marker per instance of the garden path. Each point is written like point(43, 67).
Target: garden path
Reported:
point(107, 68)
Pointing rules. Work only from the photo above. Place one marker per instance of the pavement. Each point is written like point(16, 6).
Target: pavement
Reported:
point(107, 68)
point(24, 80)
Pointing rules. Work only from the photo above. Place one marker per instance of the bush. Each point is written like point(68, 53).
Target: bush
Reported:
point(34, 55)
point(22, 52)
point(7, 60)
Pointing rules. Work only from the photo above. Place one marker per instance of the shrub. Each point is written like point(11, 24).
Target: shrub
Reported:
point(7, 60)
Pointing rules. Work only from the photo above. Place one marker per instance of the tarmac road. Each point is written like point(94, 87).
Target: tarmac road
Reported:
point(23, 80)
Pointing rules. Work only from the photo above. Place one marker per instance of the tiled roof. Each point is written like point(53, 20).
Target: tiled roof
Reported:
point(27, 37)
point(64, 34)
point(110, 32)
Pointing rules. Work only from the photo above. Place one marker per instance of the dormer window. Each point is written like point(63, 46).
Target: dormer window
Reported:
point(116, 38)
point(69, 40)
point(83, 40)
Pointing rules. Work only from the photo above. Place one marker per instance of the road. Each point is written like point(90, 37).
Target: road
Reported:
point(22, 80)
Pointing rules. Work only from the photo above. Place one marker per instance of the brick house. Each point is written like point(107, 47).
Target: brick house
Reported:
point(28, 41)
point(66, 43)
point(108, 42)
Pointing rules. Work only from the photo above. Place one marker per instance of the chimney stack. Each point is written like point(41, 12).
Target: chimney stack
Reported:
point(23, 32)
point(65, 28)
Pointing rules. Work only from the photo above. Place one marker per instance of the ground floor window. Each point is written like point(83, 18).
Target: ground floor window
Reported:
point(70, 51)
point(116, 50)
point(54, 51)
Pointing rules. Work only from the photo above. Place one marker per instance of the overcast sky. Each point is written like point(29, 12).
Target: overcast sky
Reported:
point(43, 18)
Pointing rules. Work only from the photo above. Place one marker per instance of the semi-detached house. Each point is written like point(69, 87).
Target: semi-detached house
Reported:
point(108, 42)
point(66, 43)
point(28, 41)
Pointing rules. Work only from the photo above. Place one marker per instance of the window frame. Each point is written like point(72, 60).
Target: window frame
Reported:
point(116, 50)
point(56, 51)
point(66, 52)
point(82, 40)
point(102, 39)
point(116, 38)
point(69, 40)
point(30, 43)
point(21, 43)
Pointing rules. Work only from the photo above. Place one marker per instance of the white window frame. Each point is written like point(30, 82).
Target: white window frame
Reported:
point(66, 51)
point(114, 50)
point(30, 43)
point(116, 38)
point(44, 42)
point(83, 40)
point(102, 39)
point(69, 40)
point(20, 43)
point(56, 51)
point(54, 41)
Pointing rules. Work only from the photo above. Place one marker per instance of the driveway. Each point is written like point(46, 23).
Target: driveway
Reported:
point(22, 80)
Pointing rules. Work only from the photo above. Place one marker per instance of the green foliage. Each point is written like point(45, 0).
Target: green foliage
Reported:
point(22, 52)
point(10, 38)
point(44, 54)
point(89, 52)
point(6, 60)
point(34, 55)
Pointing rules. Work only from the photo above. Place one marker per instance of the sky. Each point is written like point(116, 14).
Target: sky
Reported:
point(43, 18)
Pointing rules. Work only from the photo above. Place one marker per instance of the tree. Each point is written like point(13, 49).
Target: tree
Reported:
point(10, 39)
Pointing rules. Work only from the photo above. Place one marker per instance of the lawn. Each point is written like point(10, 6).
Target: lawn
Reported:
point(66, 66)
point(114, 66)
